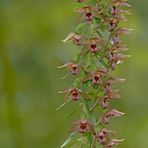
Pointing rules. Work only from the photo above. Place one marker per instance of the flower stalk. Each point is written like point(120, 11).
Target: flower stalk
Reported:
point(101, 50)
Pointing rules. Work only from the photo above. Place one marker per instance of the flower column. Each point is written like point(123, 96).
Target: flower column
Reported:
point(98, 37)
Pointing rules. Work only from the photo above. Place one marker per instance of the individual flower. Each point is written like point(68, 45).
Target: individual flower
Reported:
point(118, 48)
point(95, 76)
point(115, 40)
point(75, 38)
point(112, 80)
point(110, 94)
point(87, 11)
point(113, 22)
point(113, 142)
point(102, 136)
point(114, 10)
point(120, 3)
point(73, 67)
point(115, 58)
point(74, 94)
point(120, 31)
point(105, 103)
point(112, 113)
point(93, 44)
point(83, 126)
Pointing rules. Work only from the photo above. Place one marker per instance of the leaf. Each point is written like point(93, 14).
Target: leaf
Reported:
point(98, 32)
point(76, 82)
point(68, 140)
point(61, 106)
point(71, 113)
point(97, 20)
point(79, 27)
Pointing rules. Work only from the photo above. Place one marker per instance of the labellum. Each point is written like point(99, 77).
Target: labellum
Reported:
point(75, 94)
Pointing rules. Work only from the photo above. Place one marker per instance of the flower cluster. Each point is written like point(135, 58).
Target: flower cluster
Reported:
point(101, 50)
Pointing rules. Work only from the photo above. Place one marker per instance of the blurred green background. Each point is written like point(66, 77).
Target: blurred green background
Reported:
point(30, 50)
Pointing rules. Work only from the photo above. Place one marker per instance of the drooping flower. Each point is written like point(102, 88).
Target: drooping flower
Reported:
point(120, 3)
point(114, 10)
point(113, 142)
point(75, 38)
point(73, 67)
point(102, 136)
point(112, 113)
point(113, 22)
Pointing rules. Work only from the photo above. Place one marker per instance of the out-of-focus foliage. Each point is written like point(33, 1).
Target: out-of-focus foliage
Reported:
point(31, 49)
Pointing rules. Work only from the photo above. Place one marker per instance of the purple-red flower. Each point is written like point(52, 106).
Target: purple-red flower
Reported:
point(102, 136)
point(87, 11)
point(83, 126)
point(74, 93)
point(93, 44)
point(114, 10)
point(75, 38)
point(73, 67)
point(120, 3)
point(113, 22)
point(95, 76)
point(112, 113)
point(113, 142)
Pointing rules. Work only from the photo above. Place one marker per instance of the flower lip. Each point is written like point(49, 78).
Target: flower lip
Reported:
point(112, 113)
point(89, 16)
point(83, 126)
point(96, 79)
point(75, 94)
point(74, 69)
point(93, 47)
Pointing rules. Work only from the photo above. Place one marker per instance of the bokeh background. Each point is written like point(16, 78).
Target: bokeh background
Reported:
point(30, 50)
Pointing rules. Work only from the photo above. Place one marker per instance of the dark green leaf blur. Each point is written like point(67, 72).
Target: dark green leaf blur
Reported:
point(31, 48)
